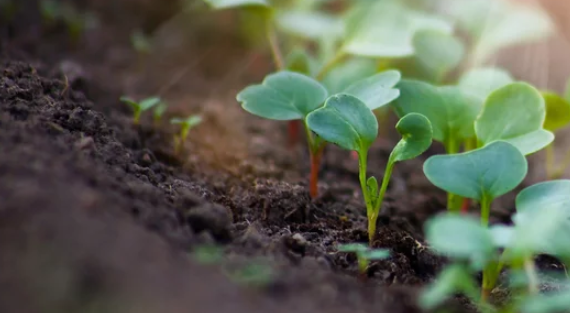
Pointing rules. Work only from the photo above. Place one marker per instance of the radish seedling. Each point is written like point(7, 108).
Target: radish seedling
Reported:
point(185, 125)
point(557, 118)
point(288, 96)
point(364, 254)
point(482, 174)
point(349, 123)
point(140, 107)
point(158, 112)
point(541, 225)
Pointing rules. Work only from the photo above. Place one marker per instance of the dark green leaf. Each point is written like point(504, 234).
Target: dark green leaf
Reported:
point(416, 133)
point(377, 90)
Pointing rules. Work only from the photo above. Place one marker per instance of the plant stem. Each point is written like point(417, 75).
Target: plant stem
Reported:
point(465, 205)
point(274, 45)
point(485, 209)
point(530, 271)
point(453, 201)
point(339, 56)
point(490, 277)
point(562, 167)
point(549, 161)
point(362, 159)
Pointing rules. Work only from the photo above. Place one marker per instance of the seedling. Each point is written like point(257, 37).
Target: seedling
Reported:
point(289, 96)
point(557, 118)
point(141, 42)
point(349, 123)
point(482, 174)
point(542, 225)
point(185, 125)
point(140, 107)
point(364, 254)
point(158, 112)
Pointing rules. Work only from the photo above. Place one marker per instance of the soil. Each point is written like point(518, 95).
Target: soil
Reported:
point(100, 215)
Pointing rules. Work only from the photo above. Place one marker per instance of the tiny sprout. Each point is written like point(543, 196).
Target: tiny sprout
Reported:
point(159, 112)
point(364, 254)
point(141, 42)
point(185, 125)
point(140, 107)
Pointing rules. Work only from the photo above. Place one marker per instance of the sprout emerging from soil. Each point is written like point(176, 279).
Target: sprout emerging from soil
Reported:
point(349, 123)
point(140, 107)
point(158, 112)
point(364, 254)
point(185, 125)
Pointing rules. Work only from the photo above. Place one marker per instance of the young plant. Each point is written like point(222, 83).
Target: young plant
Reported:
point(482, 174)
point(288, 96)
point(557, 118)
point(185, 125)
point(349, 123)
point(141, 42)
point(140, 107)
point(364, 254)
point(158, 112)
point(541, 225)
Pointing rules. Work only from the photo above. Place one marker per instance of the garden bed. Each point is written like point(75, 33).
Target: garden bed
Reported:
point(97, 214)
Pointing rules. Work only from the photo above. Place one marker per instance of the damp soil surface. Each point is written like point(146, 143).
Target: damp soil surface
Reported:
point(100, 215)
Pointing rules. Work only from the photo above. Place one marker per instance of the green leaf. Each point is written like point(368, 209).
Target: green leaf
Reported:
point(453, 279)
point(309, 24)
point(346, 121)
point(386, 29)
point(376, 254)
point(132, 103)
point(557, 111)
point(432, 57)
point(283, 96)
point(149, 103)
point(300, 61)
point(372, 184)
point(493, 24)
point(490, 171)
point(450, 111)
point(159, 110)
point(189, 122)
point(352, 247)
point(342, 76)
point(514, 113)
point(226, 4)
point(502, 235)
point(461, 238)
point(377, 90)
point(553, 302)
point(481, 82)
point(416, 133)
point(552, 194)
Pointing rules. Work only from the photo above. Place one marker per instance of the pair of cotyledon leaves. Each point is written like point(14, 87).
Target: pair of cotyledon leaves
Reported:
point(486, 104)
point(542, 225)
point(345, 119)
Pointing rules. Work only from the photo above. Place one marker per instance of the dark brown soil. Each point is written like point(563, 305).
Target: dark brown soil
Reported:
point(99, 215)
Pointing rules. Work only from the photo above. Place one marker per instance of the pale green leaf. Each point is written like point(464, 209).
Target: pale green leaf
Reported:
point(345, 74)
point(226, 4)
point(149, 103)
point(450, 111)
point(513, 113)
point(283, 96)
point(557, 111)
point(346, 121)
point(309, 24)
point(416, 133)
point(377, 90)
point(481, 82)
point(453, 279)
point(437, 52)
point(490, 171)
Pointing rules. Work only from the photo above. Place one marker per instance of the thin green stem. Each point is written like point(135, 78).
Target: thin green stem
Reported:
point(485, 209)
point(562, 167)
point(362, 159)
point(339, 56)
point(530, 270)
point(274, 45)
point(384, 187)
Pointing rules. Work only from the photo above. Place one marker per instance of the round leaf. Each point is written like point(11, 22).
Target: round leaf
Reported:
point(283, 96)
point(552, 194)
point(450, 111)
point(430, 55)
point(226, 4)
point(309, 24)
point(346, 121)
point(386, 29)
point(460, 237)
point(557, 111)
point(376, 91)
point(490, 171)
point(513, 113)
point(481, 82)
point(416, 137)
point(342, 76)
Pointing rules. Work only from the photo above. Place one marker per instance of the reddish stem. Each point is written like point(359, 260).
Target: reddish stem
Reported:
point(293, 131)
point(465, 205)
point(315, 165)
